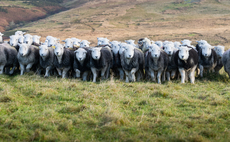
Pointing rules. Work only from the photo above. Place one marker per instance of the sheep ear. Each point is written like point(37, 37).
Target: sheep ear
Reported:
point(39, 37)
point(212, 47)
point(88, 42)
point(190, 49)
point(23, 33)
point(75, 51)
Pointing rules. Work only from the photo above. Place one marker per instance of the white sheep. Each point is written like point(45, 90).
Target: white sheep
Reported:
point(28, 39)
point(84, 43)
point(1, 40)
point(36, 40)
point(101, 41)
point(76, 42)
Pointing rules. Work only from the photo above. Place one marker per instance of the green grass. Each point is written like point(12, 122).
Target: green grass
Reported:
point(37, 109)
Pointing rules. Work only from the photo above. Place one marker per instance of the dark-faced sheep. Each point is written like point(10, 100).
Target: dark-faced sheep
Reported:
point(132, 62)
point(101, 60)
point(81, 64)
point(28, 57)
point(156, 62)
point(186, 59)
point(63, 60)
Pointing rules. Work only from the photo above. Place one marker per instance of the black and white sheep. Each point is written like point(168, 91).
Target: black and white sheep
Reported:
point(28, 39)
point(101, 59)
point(117, 68)
point(226, 61)
point(63, 60)
point(36, 40)
point(28, 58)
point(8, 58)
point(132, 62)
point(46, 59)
point(186, 59)
point(1, 39)
point(156, 62)
point(219, 51)
point(81, 64)
point(207, 58)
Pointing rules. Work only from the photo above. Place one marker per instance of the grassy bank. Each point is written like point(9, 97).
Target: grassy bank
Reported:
point(54, 109)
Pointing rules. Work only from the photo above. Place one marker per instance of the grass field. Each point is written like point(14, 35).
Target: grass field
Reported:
point(33, 108)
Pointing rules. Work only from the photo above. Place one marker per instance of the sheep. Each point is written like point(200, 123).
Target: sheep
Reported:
point(145, 43)
point(177, 44)
point(172, 68)
point(84, 43)
point(131, 42)
point(46, 59)
point(28, 39)
point(1, 40)
point(102, 41)
point(219, 51)
point(132, 62)
point(51, 41)
point(8, 58)
point(63, 60)
point(115, 46)
point(156, 62)
point(36, 40)
point(20, 39)
point(207, 58)
point(19, 33)
point(101, 59)
point(28, 57)
point(200, 43)
point(68, 43)
point(76, 42)
point(226, 62)
point(14, 41)
point(186, 59)
point(159, 43)
point(187, 42)
point(81, 63)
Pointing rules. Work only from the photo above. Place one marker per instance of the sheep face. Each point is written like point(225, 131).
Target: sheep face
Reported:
point(19, 33)
point(140, 42)
point(96, 53)
point(28, 39)
point(76, 42)
point(52, 41)
point(168, 48)
point(68, 43)
point(14, 40)
point(202, 42)
point(23, 49)
point(21, 39)
point(80, 54)
point(184, 52)
point(102, 41)
point(155, 51)
point(84, 43)
point(115, 46)
point(122, 47)
point(177, 44)
point(219, 51)
point(186, 42)
point(130, 41)
point(59, 50)
point(36, 39)
point(129, 51)
point(159, 43)
point(206, 50)
point(43, 50)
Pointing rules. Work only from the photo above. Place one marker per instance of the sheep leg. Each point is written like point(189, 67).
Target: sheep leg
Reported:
point(1, 69)
point(12, 70)
point(65, 71)
point(201, 70)
point(159, 77)
point(59, 71)
point(126, 76)
point(121, 72)
point(78, 73)
point(133, 72)
point(163, 75)
point(94, 71)
point(152, 75)
point(139, 75)
point(85, 75)
point(182, 73)
point(22, 67)
point(173, 74)
point(7, 70)
point(192, 75)
point(103, 71)
point(47, 74)
point(29, 66)
point(168, 75)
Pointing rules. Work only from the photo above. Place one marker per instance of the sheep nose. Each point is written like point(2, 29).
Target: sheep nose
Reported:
point(79, 58)
point(169, 52)
point(22, 54)
point(155, 55)
point(129, 56)
point(205, 54)
point(96, 57)
point(57, 53)
point(182, 56)
point(26, 42)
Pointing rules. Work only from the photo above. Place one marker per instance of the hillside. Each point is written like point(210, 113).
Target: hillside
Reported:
point(158, 20)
